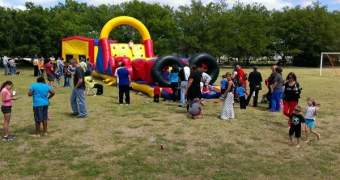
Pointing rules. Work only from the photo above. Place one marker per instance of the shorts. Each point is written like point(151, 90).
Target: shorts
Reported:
point(198, 113)
point(50, 77)
point(310, 123)
point(296, 130)
point(40, 113)
point(6, 109)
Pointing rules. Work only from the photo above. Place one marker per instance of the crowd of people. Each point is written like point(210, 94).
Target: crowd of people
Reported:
point(186, 84)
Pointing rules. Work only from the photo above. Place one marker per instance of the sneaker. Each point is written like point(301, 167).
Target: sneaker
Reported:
point(81, 116)
point(35, 135)
point(74, 114)
point(11, 136)
point(121, 104)
point(129, 104)
point(7, 138)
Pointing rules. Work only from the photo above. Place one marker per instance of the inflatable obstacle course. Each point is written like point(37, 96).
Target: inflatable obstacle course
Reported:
point(145, 69)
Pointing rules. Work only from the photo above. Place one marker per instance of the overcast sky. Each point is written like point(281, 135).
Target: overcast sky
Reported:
point(270, 4)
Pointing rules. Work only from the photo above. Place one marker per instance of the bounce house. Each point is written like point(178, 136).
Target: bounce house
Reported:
point(144, 67)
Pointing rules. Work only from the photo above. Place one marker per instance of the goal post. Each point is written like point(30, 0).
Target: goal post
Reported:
point(328, 56)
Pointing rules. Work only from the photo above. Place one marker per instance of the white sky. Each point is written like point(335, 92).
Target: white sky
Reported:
point(270, 4)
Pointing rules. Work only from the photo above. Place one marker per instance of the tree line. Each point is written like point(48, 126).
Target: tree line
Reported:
point(243, 31)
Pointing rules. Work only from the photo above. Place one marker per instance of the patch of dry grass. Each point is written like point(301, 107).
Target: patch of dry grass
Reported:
point(114, 141)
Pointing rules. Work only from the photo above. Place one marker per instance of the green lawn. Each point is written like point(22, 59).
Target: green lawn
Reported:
point(114, 141)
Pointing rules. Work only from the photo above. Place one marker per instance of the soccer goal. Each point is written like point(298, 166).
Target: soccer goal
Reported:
point(328, 59)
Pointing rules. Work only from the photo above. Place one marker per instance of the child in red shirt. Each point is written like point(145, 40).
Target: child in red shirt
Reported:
point(156, 92)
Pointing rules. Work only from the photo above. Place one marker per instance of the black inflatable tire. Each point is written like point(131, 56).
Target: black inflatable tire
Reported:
point(160, 63)
point(210, 61)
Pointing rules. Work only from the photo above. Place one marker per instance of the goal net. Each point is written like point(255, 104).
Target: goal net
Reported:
point(330, 60)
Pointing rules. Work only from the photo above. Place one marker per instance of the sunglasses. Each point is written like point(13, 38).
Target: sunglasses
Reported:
point(290, 77)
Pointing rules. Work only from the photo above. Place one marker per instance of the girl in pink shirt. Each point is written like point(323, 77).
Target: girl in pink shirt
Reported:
point(6, 107)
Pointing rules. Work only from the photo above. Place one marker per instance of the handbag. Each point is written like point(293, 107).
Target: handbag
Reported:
point(258, 87)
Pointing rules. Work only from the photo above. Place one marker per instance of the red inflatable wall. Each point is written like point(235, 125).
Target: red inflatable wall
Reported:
point(105, 43)
point(113, 64)
point(127, 62)
point(148, 44)
point(138, 67)
point(148, 66)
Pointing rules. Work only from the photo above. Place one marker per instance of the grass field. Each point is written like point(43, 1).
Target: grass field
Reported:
point(114, 141)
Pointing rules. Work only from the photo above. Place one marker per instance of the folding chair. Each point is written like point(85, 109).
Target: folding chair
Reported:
point(90, 89)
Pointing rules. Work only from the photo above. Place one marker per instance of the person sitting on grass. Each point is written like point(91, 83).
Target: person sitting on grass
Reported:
point(91, 84)
point(195, 109)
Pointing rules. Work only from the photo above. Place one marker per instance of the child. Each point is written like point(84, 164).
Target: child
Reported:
point(223, 83)
point(264, 96)
point(311, 111)
point(156, 92)
point(297, 120)
point(241, 95)
point(6, 108)
point(57, 76)
point(68, 75)
point(195, 109)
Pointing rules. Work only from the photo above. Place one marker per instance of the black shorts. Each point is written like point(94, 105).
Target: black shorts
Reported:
point(50, 77)
point(296, 130)
point(6, 109)
point(40, 113)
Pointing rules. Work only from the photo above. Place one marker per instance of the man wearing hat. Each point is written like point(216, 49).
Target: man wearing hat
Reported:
point(254, 80)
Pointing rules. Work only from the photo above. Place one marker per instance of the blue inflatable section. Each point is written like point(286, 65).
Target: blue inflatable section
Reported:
point(99, 62)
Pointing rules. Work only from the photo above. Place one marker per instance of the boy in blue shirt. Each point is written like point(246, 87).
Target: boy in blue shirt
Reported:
point(241, 95)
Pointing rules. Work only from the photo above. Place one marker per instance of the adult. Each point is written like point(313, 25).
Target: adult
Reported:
point(254, 80)
point(60, 65)
point(227, 108)
point(5, 63)
point(89, 81)
point(270, 84)
point(276, 91)
point(42, 67)
point(49, 69)
point(12, 66)
point(89, 65)
point(241, 77)
point(124, 84)
point(83, 64)
point(35, 62)
point(78, 92)
point(291, 96)
point(39, 91)
point(183, 77)
point(193, 89)
point(173, 79)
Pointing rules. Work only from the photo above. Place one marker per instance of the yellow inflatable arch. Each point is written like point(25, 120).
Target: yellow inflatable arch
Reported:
point(125, 20)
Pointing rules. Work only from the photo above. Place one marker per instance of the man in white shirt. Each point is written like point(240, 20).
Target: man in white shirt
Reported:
point(5, 63)
point(116, 75)
point(12, 66)
point(183, 77)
